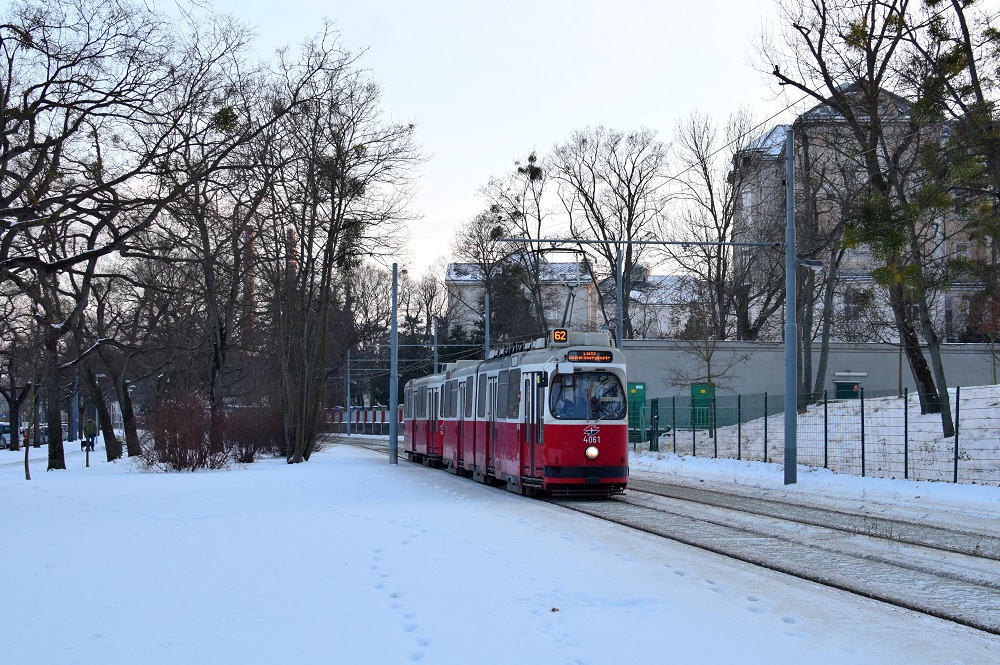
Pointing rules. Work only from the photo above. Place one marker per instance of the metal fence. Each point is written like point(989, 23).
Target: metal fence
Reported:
point(881, 434)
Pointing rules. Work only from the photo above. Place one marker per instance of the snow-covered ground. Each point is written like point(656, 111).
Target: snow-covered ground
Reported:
point(900, 441)
point(347, 559)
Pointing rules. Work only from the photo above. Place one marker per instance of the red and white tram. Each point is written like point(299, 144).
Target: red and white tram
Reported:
point(546, 416)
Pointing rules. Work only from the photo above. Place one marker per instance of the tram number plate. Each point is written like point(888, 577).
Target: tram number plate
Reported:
point(592, 435)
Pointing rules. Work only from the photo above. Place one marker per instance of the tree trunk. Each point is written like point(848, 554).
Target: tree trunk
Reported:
point(112, 447)
point(922, 377)
point(128, 423)
point(805, 323)
point(828, 295)
point(53, 414)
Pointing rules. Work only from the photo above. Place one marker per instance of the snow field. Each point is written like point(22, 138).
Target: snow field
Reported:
point(347, 559)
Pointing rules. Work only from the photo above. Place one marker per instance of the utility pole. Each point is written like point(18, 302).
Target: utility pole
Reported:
point(348, 392)
point(619, 327)
point(486, 327)
point(791, 331)
point(394, 375)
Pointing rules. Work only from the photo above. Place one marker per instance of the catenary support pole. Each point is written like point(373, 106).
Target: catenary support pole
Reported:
point(791, 415)
point(348, 411)
point(435, 346)
point(619, 278)
point(394, 375)
point(486, 327)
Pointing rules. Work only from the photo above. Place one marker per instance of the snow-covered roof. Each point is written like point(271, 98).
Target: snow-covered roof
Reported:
point(771, 144)
point(550, 272)
point(891, 101)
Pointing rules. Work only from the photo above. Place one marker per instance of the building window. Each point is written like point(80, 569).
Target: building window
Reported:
point(855, 303)
point(746, 209)
point(949, 319)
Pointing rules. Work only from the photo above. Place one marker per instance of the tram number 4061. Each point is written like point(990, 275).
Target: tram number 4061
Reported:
point(592, 435)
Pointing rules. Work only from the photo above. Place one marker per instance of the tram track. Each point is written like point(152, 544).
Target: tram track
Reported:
point(927, 567)
point(962, 588)
point(895, 529)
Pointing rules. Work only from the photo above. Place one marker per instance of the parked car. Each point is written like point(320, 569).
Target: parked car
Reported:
point(43, 436)
point(4, 435)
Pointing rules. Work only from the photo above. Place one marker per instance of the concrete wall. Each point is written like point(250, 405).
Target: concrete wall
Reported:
point(666, 366)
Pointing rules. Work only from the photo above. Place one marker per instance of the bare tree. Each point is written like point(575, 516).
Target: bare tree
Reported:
point(707, 362)
point(737, 284)
point(479, 244)
point(519, 199)
point(343, 197)
point(101, 102)
point(613, 187)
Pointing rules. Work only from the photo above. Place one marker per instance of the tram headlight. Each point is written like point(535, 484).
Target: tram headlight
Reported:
point(591, 452)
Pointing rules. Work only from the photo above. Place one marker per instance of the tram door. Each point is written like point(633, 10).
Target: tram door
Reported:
point(491, 419)
point(436, 424)
point(534, 401)
point(432, 420)
point(460, 407)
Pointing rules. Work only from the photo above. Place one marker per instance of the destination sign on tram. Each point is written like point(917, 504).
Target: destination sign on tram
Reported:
point(584, 356)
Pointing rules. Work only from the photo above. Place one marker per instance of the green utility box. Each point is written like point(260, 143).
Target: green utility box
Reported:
point(636, 406)
point(702, 397)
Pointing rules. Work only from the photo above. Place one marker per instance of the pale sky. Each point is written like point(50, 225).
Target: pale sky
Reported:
point(488, 82)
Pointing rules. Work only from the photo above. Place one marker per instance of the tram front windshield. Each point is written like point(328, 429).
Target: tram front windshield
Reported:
point(587, 396)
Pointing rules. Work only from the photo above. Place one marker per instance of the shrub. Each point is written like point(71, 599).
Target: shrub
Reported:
point(177, 437)
point(180, 436)
point(253, 431)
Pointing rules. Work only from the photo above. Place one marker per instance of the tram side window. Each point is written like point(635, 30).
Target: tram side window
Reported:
point(587, 396)
point(422, 402)
point(481, 395)
point(469, 385)
point(408, 404)
point(452, 399)
point(502, 383)
point(514, 394)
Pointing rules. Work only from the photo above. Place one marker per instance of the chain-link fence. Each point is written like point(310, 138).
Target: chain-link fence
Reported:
point(881, 434)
